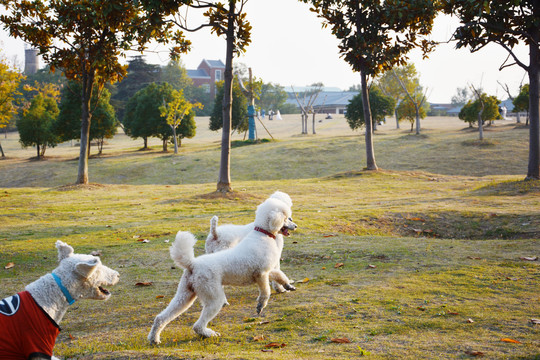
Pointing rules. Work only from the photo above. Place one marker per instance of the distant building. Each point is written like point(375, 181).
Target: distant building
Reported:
point(207, 74)
point(331, 102)
point(31, 61)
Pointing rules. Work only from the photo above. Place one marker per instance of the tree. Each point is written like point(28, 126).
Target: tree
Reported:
point(484, 108)
point(521, 102)
point(35, 126)
point(67, 126)
point(239, 112)
point(390, 86)
point(381, 106)
point(415, 96)
point(506, 23)
point(374, 37)
point(411, 111)
point(9, 82)
point(272, 96)
point(139, 75)
point(85, 39)
point(461, 97)
point(177, 115)
point(305, 101)
point(143, 117)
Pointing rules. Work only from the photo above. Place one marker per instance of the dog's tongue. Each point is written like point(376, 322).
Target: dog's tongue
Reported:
point(285, 231)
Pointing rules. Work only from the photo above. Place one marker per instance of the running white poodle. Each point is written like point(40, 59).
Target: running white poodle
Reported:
point(229, 235)
point(29, 320)
point(248, 263)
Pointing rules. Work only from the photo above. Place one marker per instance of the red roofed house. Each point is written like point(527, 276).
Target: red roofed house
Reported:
point(207, 74)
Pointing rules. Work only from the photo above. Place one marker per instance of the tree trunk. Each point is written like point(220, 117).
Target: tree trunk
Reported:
point(313, 122)
point(480, 124)
point(533, 169)
point(417, 119)
point(86, 95)
point(164, 145)
point(175, 139)
point(224, 181)
point(38, 151)
point(145, 144)
point(397, 119)
point(43, 149)
point(518, 119)
point(370, 154)
point(2, 151)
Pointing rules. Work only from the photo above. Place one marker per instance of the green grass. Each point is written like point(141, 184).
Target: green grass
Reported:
point(431, 241)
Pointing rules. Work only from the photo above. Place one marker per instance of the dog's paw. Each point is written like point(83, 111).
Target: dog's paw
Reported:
point(260, 307)
point(289, 287)
point(207, 333)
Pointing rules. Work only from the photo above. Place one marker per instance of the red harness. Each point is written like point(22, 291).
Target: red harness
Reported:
point(25, 328)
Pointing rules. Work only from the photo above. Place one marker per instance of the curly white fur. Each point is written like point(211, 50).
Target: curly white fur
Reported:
point(229, 235)
point(248, 263)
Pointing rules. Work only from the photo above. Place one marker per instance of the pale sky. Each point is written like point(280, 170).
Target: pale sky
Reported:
point(290, 47)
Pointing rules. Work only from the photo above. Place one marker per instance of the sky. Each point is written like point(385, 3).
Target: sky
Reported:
point(289, 47)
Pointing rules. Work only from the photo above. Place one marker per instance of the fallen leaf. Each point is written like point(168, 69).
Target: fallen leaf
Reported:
point(96, 253)
point(146, 283)
point(338, 265)
point(474, 257)
point(452, 313)
point(264, 322)
point(9, 265)
point(529, 258)
point(474, 353)
point(421, 308)
point(535, 321)
point(340, 340)
point(417, 219)
point(258, 338)
point(267, 350)
point(470, 321)
point(144, 240)
point(72, 337)
point(160, 297)
point(508, 340)
point(304, 281)
point(329, 235)
point(136, 236)
point(371, 266)
point(275, 345)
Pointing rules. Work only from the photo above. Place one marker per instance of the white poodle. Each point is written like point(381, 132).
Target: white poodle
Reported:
point(248, 263)
point(29, 320)
point(229, 235)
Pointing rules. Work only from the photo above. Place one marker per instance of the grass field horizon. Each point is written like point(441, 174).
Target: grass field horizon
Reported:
point(428, 258)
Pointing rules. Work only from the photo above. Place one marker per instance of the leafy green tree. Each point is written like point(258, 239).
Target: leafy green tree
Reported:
point(272, 96)
point(506, 23)
point(390, 85)
point(480, 110)
point(86, 40)
point(177, 115)
point(415, 96)
point(139, 75)
point(381, 106)
point(521, 102)
point(374, 37)
point(35, 126)
point(9, 82)
point(68, 125)
point(143, 117)
point(410, 112)
point(239, 109)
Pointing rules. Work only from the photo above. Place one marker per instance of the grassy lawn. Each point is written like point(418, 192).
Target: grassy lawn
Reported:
point(424, 259)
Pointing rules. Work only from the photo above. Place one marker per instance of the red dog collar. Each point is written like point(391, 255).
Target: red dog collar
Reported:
point(265, 232)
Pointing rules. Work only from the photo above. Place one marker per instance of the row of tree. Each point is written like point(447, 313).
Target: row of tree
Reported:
point(86, 39)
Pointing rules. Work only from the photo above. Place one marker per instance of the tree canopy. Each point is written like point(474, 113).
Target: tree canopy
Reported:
point(381, 106)
point(375, 36)
point(490, 111)
point(9, 83)
point(35, 126)
point(506, 23)
point(239, 109)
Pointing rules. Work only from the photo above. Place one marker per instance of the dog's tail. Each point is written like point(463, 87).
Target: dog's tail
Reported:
point(182, 249)
point(213, 227)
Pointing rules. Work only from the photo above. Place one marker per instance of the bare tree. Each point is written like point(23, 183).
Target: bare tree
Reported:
point(306, 104)
point(417, 102)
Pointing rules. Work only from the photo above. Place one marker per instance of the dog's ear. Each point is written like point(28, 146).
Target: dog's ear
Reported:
point(86, 268)
point(64, 250)
point(275, 221)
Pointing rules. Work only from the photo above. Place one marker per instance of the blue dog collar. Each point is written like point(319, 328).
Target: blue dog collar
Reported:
point(65, 291)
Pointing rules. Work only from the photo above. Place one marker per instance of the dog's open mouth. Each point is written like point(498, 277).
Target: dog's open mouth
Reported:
point(104, 291)
point(285, 231)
